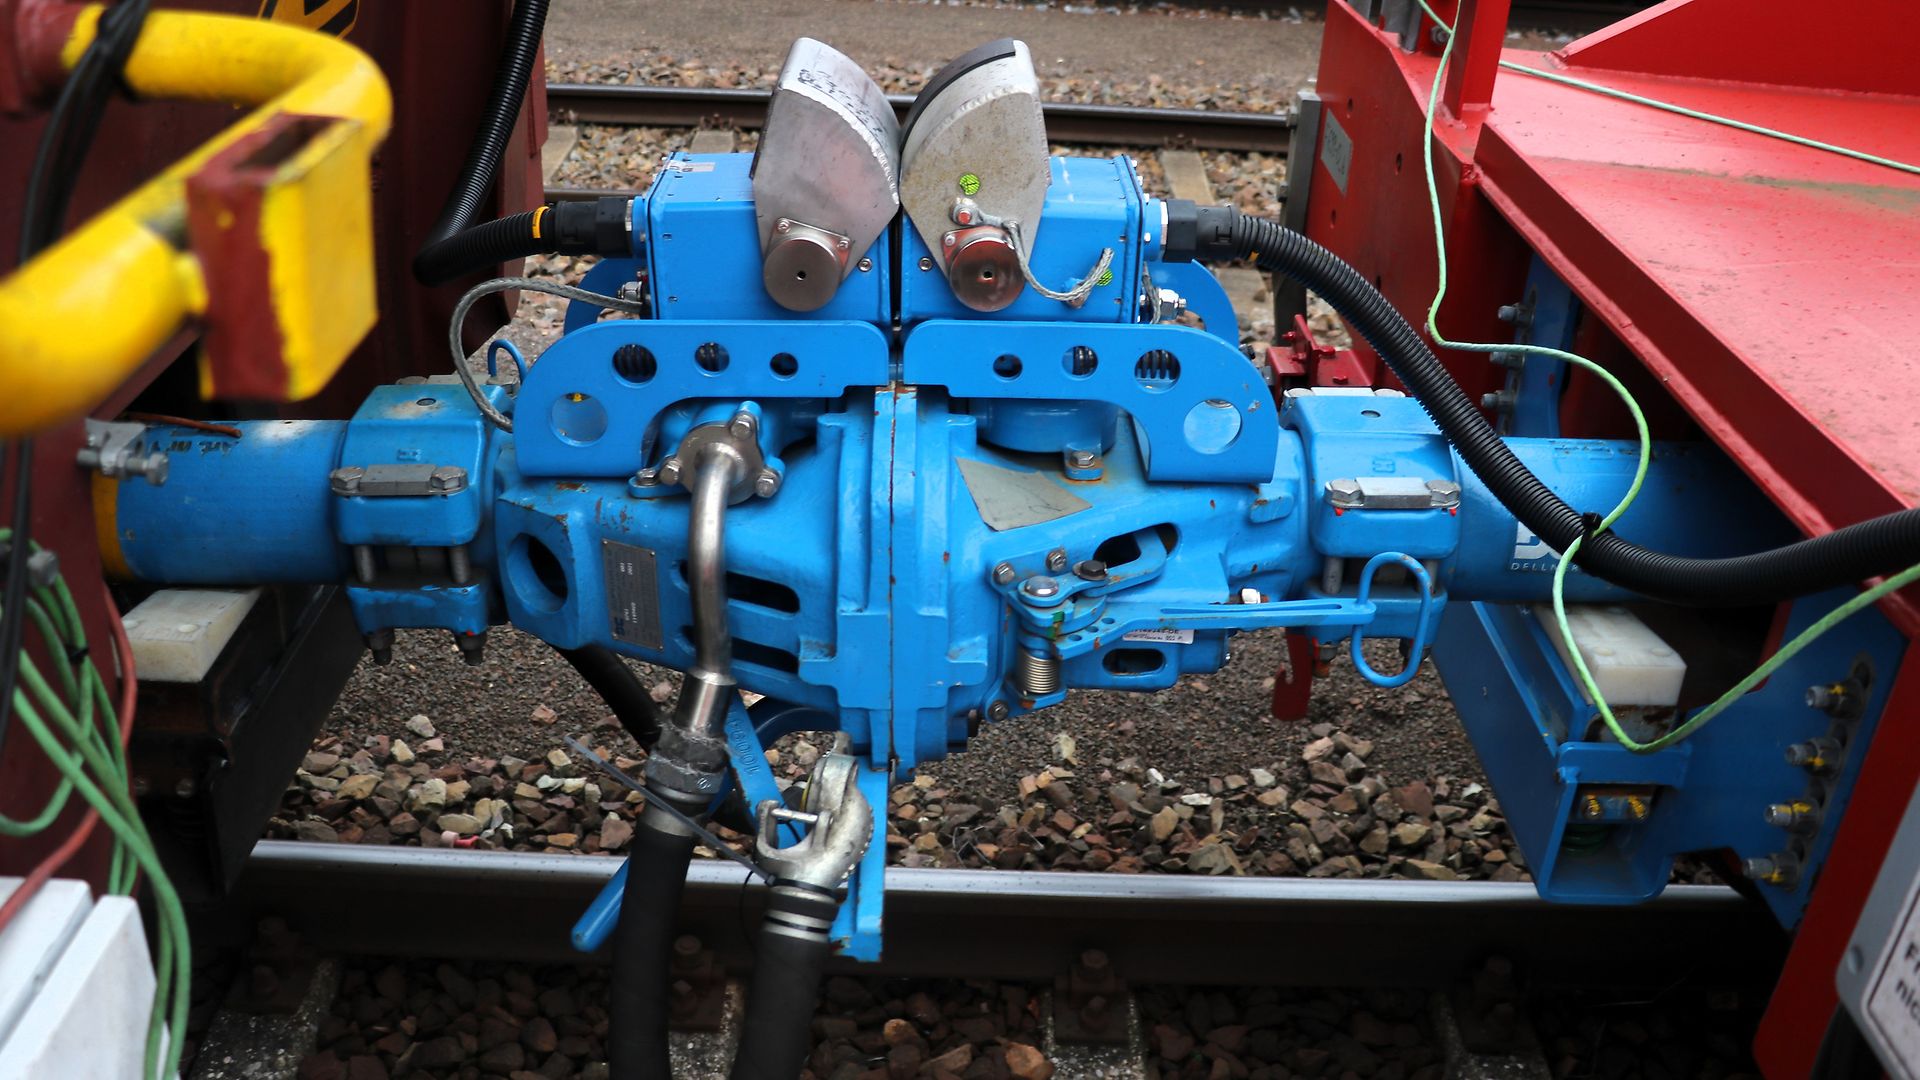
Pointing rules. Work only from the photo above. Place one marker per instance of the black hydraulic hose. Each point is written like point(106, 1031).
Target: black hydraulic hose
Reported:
point(596, 227)
point(496, 126)
point(1845, 556)
point(620, 688)
point(789, 956)
point(638, 994)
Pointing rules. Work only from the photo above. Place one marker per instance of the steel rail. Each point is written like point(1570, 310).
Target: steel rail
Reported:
point(1067, 122)
point(1026, 925)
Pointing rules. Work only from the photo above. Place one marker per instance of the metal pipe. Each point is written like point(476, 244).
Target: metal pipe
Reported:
point(708, 687)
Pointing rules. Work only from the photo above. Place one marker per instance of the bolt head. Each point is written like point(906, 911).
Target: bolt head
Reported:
point(865, 265)
point(1041, 586)
point(766, 483)
point(1003, 573)
point(346, 481)
point(949, 240)
point(998, 710)
point(1057, 560)
point(1082, 459)
point(1344, 491)
point(782, 225)
point(1779, 815)
point(742, 426)
point(670, 471)
point(647, 477)
point(1090, 570)
point(841, 243)
point(926, 263)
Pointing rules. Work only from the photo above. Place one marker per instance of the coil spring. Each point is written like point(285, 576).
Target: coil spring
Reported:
point(1036, 675)
point(1157, 369)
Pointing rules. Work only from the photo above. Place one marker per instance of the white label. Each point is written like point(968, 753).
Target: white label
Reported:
point(1169, 637)
point(1893, 1005)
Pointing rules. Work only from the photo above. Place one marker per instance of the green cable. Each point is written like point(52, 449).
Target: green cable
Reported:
point(1578, 662)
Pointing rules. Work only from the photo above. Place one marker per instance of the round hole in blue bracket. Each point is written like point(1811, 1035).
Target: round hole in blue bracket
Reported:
point(783, 365)
point(1081, 361)
point(1007, 366)
point(635, 364)
point(712, 357)
point(578, 419)
point(1157, 370)
point(1211, 426)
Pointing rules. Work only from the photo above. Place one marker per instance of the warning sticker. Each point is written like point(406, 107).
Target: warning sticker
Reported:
point(333, 17)
point(1893, 1004)
point(633, 593)
point(1168, 637)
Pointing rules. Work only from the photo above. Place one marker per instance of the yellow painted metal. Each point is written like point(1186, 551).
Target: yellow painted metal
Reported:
point(86, 313)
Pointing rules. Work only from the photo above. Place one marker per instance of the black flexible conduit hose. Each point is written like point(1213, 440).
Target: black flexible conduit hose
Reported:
point(638, 996)
point(790, 954)
point(620, 688)
point(1845, 556)
point(444, 244)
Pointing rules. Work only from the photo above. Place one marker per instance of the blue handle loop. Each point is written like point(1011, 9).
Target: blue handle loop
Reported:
point(519, 362)
point(1420, 632)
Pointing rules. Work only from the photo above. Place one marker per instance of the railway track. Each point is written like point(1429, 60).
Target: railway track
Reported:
point(1107, 125)
point(1158, 929)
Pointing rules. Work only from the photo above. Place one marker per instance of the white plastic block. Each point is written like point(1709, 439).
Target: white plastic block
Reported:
point(1629, 663)
point(177, 634)
point(31, 944)
point(87, 1017)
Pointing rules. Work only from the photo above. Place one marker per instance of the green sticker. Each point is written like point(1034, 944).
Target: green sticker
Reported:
point(969, 184)
point(1106, 278)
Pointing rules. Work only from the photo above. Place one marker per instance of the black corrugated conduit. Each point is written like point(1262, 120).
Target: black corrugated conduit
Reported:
point(1846, 556)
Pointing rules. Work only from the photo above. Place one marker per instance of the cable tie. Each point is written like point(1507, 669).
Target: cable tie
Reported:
point(673, 811)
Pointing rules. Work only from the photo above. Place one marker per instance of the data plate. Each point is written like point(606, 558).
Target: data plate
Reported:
point(1879, 974)
point(633, 594)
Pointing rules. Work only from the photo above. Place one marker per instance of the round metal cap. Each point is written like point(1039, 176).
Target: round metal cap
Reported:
point(801, 271)
point(983, 270)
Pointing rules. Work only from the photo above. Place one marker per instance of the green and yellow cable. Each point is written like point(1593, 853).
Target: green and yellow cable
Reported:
point(1585, 677)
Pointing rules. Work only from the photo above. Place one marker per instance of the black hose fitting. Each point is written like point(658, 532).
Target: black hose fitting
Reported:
point(789, 955)
point(1195, 232)
point(598, 227)
point(1846, 556)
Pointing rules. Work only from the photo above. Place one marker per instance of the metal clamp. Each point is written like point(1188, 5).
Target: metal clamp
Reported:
point(1392, 493)
point(738, 438)
point(113, 448)
point(840, 828)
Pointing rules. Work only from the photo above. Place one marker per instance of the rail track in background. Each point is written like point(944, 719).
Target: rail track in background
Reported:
point(1105, 125)
point(1019, 925)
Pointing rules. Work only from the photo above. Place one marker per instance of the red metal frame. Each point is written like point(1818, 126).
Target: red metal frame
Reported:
point(1731, 271)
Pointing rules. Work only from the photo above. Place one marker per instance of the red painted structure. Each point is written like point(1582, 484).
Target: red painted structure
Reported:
point(1765, 293)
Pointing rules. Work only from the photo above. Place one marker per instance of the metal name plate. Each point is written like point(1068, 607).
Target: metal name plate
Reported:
point(633, 594)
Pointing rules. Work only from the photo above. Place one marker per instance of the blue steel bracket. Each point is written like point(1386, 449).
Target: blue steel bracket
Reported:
point(1706, 793)
point(1204, 294)
point(970, 360)
point(579, 417)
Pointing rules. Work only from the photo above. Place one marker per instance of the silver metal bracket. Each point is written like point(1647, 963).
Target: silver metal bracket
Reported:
point(397, 481)
point(113, 448)
point(1392, 493)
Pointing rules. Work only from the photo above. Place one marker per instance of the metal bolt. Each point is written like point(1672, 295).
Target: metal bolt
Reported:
point(926, 263)
point(1003, 573)
point(1514, 313)
point(1498, 400)
point(1445, 493)
point(1593, 809)
point(447, 478)
point(949, 240)
point(1041, 587)
point(841, 243)
point(1090, 570)
point(670, 471)
point(1057, 560)
point(185, 788)
point(865, 265)
point(766, 483)
point(742, 425)
point(647, 477)
point(346, 481)
point(998, 710)
point(1439, 35)
point(1781, 868)
point(782, 225)
point(1082, 459)
point(1343, 492)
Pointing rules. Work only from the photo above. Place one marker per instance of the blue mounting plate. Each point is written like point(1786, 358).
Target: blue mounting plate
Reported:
point(577, 417)
point(1179, 407)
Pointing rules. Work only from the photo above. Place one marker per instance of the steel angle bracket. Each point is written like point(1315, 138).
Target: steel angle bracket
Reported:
point(1202, 410)
point(585, 412)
